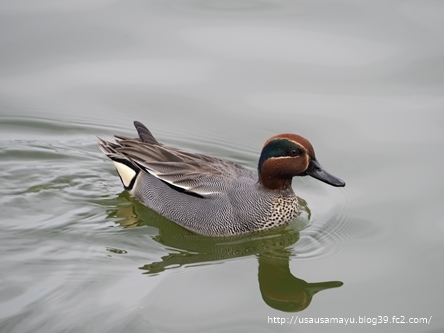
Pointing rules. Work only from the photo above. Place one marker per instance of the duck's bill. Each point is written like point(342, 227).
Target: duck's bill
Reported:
point(316, 171)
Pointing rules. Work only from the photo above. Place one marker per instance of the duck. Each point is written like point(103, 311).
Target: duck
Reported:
point(211, 196)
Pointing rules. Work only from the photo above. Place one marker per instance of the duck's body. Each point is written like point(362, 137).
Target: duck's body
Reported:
point(210, 196)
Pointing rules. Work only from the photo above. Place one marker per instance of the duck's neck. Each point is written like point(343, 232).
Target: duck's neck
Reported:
point(276, 184)
point(275, 176)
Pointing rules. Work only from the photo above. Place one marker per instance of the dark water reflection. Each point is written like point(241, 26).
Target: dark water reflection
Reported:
point(279, 288)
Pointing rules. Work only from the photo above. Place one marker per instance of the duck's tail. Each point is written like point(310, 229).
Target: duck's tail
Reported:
point(127, 170)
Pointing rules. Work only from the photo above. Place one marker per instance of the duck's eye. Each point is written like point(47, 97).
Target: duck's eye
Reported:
point(294, 152)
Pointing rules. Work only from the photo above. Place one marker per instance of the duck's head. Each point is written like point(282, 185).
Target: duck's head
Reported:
point(287, 155)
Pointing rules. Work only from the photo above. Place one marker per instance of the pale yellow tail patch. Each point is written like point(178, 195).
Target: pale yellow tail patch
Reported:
point(126, 173)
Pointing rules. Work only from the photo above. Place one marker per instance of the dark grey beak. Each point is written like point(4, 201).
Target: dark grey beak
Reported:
point(316, 171)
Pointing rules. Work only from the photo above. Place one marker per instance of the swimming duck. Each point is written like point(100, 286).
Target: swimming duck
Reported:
point(211, 196)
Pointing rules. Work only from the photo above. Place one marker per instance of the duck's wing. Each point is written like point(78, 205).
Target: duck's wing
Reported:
point(184, 171)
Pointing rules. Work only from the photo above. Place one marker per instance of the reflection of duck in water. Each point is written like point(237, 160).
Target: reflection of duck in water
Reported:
point(279, 288)
point(214, 197)
point(282, 290)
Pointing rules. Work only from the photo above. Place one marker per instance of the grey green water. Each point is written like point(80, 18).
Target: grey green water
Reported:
point(363, 81)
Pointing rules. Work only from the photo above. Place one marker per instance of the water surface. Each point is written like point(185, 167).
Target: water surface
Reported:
point(364, 83)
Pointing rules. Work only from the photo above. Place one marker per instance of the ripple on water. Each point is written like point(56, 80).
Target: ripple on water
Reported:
point(331, 229)
point(49, 174)
point(322, 239)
